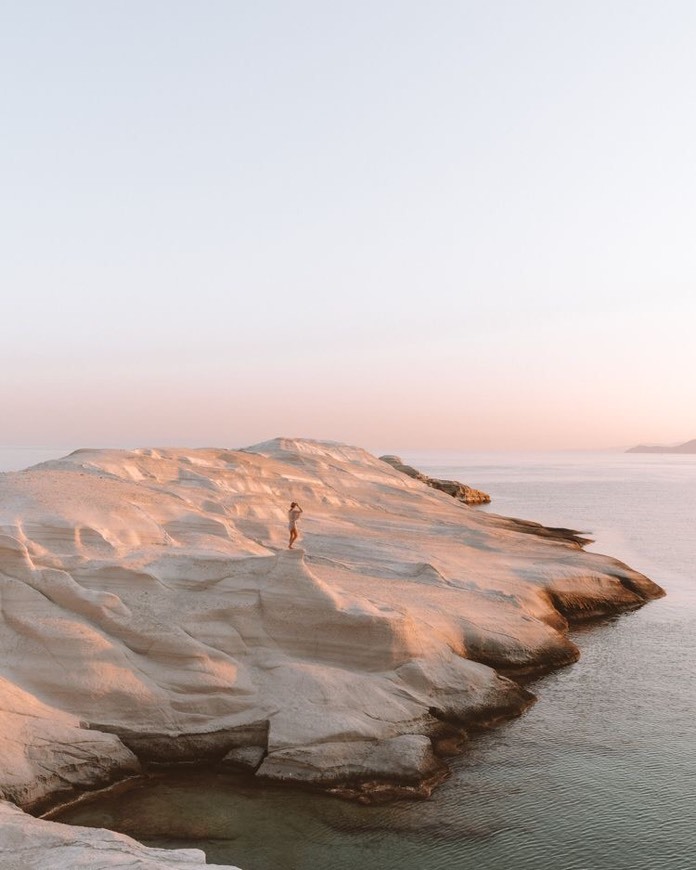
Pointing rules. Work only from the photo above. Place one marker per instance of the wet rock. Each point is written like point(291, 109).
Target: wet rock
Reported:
point(245, 757)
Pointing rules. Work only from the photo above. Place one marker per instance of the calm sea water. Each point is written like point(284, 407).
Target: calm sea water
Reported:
point(599, 775)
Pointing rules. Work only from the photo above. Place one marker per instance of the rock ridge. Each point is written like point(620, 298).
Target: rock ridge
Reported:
point(460, 491)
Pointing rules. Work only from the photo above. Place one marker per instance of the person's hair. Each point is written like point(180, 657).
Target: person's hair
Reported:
point(293, 504)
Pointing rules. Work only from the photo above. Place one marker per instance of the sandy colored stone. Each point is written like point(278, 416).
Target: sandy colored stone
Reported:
point(408, 758)
point(150, 610)
point(27, 843)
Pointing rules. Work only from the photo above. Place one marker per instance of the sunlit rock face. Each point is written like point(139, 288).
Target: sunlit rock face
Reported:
point(150, 610)
point(460, 491)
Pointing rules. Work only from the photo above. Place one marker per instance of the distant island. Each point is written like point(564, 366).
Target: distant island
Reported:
point(688, 447)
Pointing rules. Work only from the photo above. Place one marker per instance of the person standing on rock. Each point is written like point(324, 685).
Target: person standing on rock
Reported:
point(293, 517)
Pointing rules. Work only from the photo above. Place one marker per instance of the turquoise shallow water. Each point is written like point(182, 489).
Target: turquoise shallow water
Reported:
point(599, 775)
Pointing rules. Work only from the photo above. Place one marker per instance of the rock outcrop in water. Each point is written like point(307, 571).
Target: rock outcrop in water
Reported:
point(460, 491)
point(150, 612)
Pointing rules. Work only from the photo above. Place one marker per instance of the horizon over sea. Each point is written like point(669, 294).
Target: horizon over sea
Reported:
point(18, 457)
point(599, 774)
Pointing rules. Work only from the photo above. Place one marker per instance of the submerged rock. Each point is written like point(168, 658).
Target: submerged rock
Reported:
point(151, 612)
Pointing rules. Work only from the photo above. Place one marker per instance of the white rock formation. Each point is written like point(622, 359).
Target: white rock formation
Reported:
point(151, 611)
point(32, 844)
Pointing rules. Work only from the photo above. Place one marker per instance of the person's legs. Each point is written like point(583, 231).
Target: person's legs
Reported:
point(293, 537)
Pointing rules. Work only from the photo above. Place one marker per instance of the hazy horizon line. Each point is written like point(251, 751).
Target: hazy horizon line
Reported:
point(381, 450)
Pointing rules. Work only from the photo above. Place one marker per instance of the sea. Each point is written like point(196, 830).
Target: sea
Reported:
point(600, 774)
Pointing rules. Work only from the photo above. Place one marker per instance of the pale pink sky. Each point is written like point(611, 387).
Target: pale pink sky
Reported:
point(402, 225)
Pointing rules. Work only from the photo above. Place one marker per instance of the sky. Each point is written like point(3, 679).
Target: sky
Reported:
point(403, 225)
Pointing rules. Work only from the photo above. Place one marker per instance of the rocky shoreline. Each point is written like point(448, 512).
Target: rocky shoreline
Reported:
point(461, 491)
point(151, 614)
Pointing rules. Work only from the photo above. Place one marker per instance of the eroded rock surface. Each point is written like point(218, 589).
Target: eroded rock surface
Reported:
point(150, 611)
point(27, 843)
